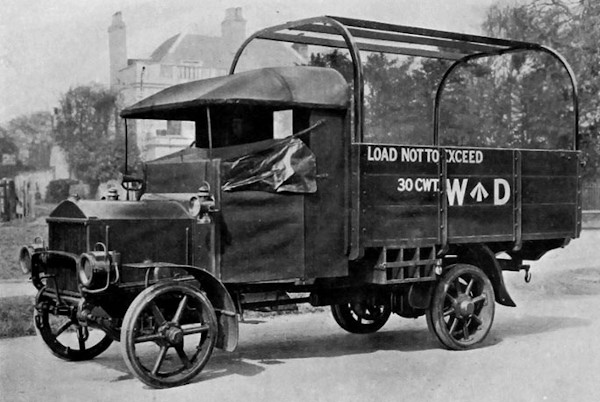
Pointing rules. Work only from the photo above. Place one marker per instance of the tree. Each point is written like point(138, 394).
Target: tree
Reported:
point(399, 94)
point(8, 151)
point(7, 145)
point(33, 136)
point(85, 129)
point(514, 100)
point(571, 28)
point(335, 59)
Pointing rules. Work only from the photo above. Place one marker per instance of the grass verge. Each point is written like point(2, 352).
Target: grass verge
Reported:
point(16, 316)
point(13, 236)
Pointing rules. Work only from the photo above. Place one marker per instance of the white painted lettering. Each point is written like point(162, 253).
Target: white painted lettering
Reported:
point(377, 154)
point(369, 154)
point(420, 184)
point(456, 191)
point(425, 185)
point(464, 156)
point(498, 200)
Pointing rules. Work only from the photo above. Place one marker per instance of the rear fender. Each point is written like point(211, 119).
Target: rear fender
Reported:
point(481, 256)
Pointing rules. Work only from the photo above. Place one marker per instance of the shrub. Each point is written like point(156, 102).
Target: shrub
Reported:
point(16, 316)
point(58, 190)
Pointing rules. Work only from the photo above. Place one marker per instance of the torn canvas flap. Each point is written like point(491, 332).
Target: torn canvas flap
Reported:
point(284, 165)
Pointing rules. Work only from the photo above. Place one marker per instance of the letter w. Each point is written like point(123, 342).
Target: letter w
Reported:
point(456, 191)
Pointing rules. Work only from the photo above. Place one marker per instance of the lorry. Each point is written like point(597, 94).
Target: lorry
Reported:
point(247, 218)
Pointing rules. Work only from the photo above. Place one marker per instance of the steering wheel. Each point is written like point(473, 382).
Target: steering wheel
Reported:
point(132, 183)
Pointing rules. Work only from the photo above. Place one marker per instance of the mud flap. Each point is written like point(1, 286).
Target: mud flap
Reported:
point(224, 308)
point(481, 256)
point(222, 302)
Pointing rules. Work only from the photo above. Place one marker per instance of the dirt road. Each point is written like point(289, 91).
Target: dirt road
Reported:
point(546, 349)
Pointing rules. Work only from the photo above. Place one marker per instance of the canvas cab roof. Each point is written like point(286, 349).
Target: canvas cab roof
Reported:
point(281, 87)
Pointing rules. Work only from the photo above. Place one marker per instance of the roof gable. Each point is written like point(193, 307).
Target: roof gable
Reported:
point(181, 48)
point(212, 51)
point(161, 51)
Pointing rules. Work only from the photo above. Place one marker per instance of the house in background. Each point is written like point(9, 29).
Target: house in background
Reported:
point(187, 56)
point(32, 167)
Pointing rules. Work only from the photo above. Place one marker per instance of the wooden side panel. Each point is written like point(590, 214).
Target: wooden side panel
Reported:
point(399, 225)
point(484, 212)
point(398, 195)
point(180, 177)
point(488, 195)
point(550, 186)
point(263, 236)
point(401, 194)
point(325, 211)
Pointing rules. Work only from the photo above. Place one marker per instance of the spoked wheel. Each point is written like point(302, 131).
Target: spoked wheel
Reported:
point(462, 307)
point(62, 333)
point(360, 318)
point(168, 334)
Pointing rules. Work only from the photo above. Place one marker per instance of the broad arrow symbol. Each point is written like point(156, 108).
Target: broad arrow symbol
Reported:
point(479, 193)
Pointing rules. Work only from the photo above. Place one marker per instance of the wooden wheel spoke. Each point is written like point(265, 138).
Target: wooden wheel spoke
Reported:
point(159, 359)
point(452, 299)
point(158, 316)
point(470, 286)
point(63, 328)
point(448, 312)
point(184, 359)
point(453, 325)
point(477, 319)
point(449, 286)
point(180, 308)
point(465, 329)
point(148, 338)
point(479, 298)
point(461, 281)
point(81, 338)
point(189, 329)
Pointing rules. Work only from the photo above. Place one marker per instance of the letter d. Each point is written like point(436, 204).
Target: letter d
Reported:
point(506, 189)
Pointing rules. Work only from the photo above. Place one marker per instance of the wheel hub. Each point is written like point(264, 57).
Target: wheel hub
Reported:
point(173, 335)
point(464, 307)
point(359, 309)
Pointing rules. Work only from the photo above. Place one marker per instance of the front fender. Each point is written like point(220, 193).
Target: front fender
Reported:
point(223, 303)
point(219, 297)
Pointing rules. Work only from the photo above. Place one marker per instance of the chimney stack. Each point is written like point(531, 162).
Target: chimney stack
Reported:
point(233, 28)
point(117, 47)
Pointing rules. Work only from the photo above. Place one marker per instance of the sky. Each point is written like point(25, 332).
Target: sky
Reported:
point(49, 46)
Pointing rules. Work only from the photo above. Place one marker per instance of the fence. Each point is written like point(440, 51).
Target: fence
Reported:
point(591, 198)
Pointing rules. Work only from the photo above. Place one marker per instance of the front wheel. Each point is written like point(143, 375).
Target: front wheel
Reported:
point(360, 318)
point(462, 307)
point(168, 334)
point(63, 334)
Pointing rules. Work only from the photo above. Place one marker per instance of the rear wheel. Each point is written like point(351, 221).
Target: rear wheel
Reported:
point(462, 307)
point(168, 334)
point(360, 318)
point(63, 334)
